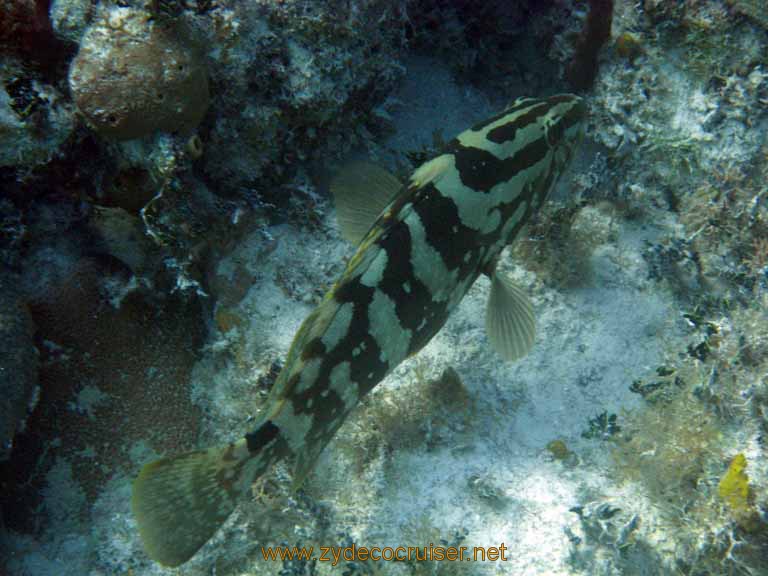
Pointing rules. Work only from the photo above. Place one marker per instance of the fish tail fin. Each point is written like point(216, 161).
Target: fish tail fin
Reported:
point(179, 502)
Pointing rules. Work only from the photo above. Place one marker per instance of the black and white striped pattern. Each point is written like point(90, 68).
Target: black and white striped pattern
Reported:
point(449, 224)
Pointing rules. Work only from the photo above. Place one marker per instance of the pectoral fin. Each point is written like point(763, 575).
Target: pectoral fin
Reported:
point(509, 319)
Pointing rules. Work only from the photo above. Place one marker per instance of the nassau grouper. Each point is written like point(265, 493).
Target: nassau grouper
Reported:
point(421, 245)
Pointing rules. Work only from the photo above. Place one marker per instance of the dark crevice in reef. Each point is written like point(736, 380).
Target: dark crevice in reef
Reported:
point(583, 68)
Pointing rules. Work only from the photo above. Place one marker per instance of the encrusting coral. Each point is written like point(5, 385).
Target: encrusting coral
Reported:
point(735, 491)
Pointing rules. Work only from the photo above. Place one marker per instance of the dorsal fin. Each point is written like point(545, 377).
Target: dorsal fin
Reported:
point(361, 191)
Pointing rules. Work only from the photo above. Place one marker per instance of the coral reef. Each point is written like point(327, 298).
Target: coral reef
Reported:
point(18, 358)
point(608, 541)
point(125, 52)
point(753, 8)
point(35, 119)
point(461, 32)
point(114, 360)
point(291, 78)
point(69, 18)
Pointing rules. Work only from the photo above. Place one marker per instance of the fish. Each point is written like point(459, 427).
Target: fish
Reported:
point(420, 247)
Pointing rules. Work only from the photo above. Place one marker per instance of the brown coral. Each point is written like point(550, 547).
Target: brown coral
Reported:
point(133, 76)
point(112, 379)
